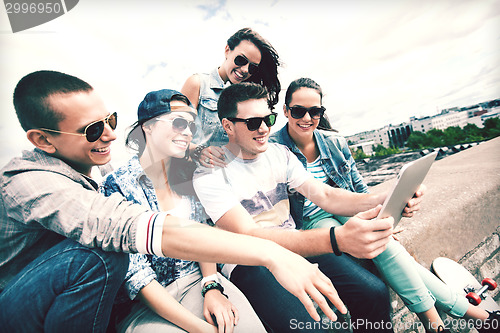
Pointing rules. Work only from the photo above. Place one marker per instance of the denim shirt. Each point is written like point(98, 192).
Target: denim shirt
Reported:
point(133, 183)
point(210, 131)
point(336, 161)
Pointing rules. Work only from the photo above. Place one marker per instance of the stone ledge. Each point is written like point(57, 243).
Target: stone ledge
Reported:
point(460, 219)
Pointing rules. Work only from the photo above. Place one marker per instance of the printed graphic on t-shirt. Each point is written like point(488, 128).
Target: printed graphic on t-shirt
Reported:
point(270, 209)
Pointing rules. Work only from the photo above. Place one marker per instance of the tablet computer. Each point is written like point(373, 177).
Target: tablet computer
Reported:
point(408, 180)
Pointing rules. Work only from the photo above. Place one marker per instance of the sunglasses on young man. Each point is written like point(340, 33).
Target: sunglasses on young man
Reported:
point(94, 130)
point(298, 112)
point(180, 124)
point(254, 123)
point(241, 60)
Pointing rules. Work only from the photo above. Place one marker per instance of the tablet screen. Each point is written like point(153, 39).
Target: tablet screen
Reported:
point(408, 180)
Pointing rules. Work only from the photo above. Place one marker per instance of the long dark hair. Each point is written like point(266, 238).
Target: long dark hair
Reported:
point(324, 123)
point(180, 173)
point(267, 75)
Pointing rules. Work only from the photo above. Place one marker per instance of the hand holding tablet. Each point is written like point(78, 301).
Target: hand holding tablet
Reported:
point(408, 181)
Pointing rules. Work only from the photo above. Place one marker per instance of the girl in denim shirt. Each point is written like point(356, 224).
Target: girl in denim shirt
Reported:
point(309, 136)
point(249, 58)
point(176, 295)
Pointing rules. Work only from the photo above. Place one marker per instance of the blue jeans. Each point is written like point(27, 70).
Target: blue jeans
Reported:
point(69, 288)
point(365, 295)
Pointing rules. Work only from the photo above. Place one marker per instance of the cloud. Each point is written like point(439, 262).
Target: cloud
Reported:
point(378, 62)
point(213, 8)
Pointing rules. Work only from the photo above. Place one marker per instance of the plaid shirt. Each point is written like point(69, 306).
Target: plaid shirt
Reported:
point(43, 200)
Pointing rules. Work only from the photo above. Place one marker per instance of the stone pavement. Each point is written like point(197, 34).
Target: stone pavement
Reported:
point(460, 219)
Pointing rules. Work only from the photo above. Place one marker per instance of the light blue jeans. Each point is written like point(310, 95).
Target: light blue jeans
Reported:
point(69, 288)
point(419, 289)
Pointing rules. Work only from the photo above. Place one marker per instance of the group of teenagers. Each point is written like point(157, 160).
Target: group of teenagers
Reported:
point(214, 225)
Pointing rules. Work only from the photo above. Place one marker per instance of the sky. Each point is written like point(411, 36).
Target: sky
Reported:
point(378, 62)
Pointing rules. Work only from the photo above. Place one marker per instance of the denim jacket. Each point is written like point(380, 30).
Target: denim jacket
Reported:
point(336, 161)
point(210, 131)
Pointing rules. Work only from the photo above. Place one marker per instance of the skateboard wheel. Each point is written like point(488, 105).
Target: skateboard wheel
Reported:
point(473, 298)
point(490, 283)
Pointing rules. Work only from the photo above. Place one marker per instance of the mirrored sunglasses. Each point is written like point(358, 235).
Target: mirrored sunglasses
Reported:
point(93, 131)
point(298, 112)
point(253, 124)
point(180, 124)
point(241, 60)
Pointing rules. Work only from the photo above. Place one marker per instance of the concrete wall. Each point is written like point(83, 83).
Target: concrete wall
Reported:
point(460, 218)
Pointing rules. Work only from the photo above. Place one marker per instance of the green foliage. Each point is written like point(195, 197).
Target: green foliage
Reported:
point(492, 127)
point(451, 135)
point(417, 140)
point(472, 133)
point(438, 138)
point(454, 135)
point(382, 151)
point(358, 154)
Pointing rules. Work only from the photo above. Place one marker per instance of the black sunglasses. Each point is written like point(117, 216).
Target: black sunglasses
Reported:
point(179, 124)
point(93, 131)
point(298, 112)
point(254, 123)
point(241, 60)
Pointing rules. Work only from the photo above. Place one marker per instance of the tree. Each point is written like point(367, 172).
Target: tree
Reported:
point(492, 127)
point(472, 133)
point(416, 140)
point(359, 154)
point(434, 138)
point(453, 135)
point(382, 151)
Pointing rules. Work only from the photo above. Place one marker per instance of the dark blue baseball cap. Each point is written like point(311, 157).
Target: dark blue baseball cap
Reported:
point(157, 103)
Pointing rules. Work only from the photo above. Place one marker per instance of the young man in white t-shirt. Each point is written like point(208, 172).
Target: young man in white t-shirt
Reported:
point(249, 196)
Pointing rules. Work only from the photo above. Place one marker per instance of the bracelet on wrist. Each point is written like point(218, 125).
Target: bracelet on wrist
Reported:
point(333, 241)
point(213, 285)
point(210, 278)
point(195, 155)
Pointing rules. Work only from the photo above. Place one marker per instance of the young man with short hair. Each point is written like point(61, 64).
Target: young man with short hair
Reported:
point(250, 196)
point(63, 244)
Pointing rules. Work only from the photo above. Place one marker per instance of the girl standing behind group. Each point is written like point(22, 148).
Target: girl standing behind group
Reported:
point(249, 58)
point(176, 295)
point(325, 154)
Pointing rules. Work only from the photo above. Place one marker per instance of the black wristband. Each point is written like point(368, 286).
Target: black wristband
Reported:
point(195, 155)
point(213, 285)
point(333, 241)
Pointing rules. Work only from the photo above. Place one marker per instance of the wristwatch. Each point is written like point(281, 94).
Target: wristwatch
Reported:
point(213, 285)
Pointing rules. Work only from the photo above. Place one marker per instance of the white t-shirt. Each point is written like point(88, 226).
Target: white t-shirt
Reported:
point(260, 185)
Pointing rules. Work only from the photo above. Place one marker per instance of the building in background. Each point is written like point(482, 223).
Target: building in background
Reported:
point(397, 136)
